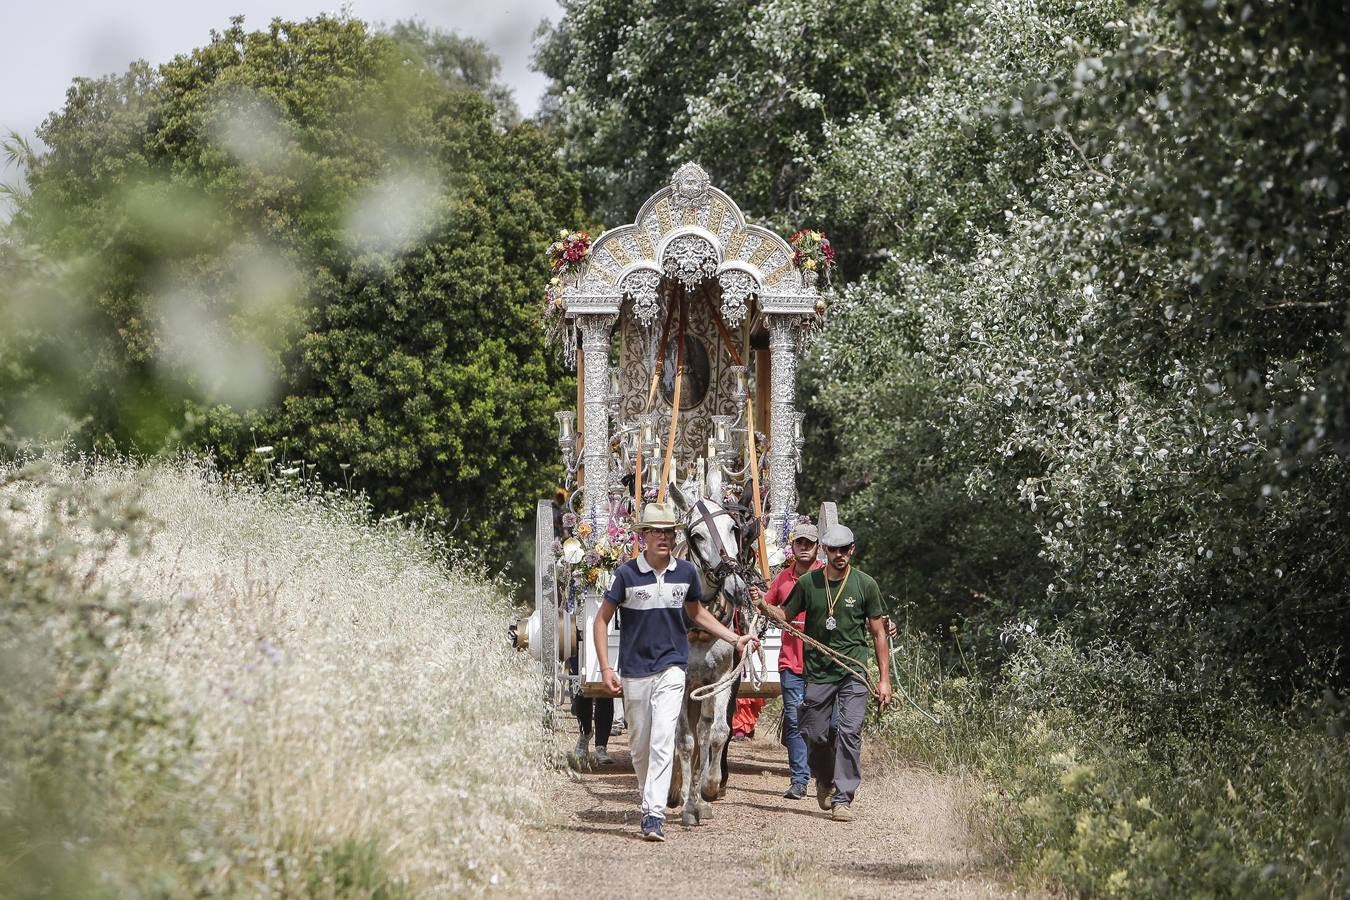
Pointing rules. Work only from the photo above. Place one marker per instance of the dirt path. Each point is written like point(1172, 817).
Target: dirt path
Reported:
point(908, 839)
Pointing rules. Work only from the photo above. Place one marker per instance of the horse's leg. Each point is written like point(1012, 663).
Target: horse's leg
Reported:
point(678, 765)
point(726, 745)
point(689, 815)
point(715, 730)
point(705, 755)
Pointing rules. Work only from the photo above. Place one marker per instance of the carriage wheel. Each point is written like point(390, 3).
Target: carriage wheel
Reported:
point(546, 599)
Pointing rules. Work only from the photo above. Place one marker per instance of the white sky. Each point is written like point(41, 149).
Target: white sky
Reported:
point(46, 43)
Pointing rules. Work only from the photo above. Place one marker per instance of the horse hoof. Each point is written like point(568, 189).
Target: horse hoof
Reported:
point(689, 820)
point(704, 811)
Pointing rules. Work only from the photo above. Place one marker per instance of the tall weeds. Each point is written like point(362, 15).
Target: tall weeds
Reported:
point(248, 690)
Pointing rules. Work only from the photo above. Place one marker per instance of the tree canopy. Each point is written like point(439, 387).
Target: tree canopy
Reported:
point(1090, 367)
point(314, 237)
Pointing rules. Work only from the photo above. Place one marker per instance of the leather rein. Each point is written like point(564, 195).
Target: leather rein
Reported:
point(717, 601)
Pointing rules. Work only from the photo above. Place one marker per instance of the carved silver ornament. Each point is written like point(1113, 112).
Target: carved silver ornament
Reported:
point(689, 187)
point(691, 258)
point(644, 286)
point(738, 286)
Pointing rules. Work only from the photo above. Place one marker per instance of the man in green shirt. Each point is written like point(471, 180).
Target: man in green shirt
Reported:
point(843, 612)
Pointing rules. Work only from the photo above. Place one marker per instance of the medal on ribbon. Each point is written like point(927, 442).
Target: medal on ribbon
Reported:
point(830, 622)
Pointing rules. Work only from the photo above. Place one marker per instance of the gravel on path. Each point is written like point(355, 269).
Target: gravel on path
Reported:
point(909, 838)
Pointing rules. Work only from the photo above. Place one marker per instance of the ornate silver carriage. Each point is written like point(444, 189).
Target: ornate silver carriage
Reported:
point(684, 328)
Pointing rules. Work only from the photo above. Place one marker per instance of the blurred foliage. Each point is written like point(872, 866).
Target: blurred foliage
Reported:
point(312, 236)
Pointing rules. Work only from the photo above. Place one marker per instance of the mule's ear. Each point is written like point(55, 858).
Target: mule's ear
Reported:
point(677, 495)
point(750, 540)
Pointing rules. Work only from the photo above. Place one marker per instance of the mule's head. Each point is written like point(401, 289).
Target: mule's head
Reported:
point(716, 542)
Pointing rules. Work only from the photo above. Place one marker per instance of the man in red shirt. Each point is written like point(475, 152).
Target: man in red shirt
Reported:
point(804, 539)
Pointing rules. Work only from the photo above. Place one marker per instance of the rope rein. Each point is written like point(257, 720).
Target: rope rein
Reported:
point(757, 619)
point(857, 669)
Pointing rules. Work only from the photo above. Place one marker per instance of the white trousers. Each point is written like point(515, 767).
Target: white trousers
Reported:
point(651, 706)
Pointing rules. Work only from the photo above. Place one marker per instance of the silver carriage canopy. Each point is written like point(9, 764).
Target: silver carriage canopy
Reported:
point(738, 293)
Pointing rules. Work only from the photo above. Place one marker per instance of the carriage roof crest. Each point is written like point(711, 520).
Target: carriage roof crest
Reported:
point(693, 232)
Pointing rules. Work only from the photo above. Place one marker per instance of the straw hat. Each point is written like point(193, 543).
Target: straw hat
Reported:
point(659, 515)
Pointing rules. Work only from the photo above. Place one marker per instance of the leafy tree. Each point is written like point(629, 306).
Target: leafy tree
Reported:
point(1090, 366)
point(1119, 258)
point(309, 237)
point(461, 61)
point(639, 88)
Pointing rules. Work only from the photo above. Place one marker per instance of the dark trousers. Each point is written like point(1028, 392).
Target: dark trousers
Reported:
point(598, 709)
point(832, 717)
point(592, 713)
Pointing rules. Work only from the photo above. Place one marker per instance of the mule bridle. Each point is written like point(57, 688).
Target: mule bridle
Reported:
point(727, 564)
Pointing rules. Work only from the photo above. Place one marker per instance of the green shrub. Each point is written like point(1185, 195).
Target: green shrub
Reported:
point(1106, 777)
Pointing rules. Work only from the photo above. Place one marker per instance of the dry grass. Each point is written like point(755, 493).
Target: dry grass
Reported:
point(795, 873)
point(347, 686)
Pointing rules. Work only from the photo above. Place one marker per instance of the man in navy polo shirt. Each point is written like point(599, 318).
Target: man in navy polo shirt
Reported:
point(654, 594)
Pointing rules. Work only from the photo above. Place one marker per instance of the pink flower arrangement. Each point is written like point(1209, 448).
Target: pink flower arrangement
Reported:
point(566, 257)
point(569, 252)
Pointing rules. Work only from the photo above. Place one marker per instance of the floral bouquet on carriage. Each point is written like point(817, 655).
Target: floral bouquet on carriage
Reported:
point(590, 558)
point(812, 253)
point(567, 258)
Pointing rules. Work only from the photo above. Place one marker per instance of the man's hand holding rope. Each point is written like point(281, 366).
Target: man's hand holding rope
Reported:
point(880, 690)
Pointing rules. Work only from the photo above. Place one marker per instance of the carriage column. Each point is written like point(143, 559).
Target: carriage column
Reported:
point(595, 340)
point(783, 342)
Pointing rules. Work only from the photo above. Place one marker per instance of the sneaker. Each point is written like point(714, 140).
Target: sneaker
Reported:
point(583, 744)
point(841, 813)
point(602, 756)
point(651, 828)
point(795, 791)
point(618, 727)
point(825, 795)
